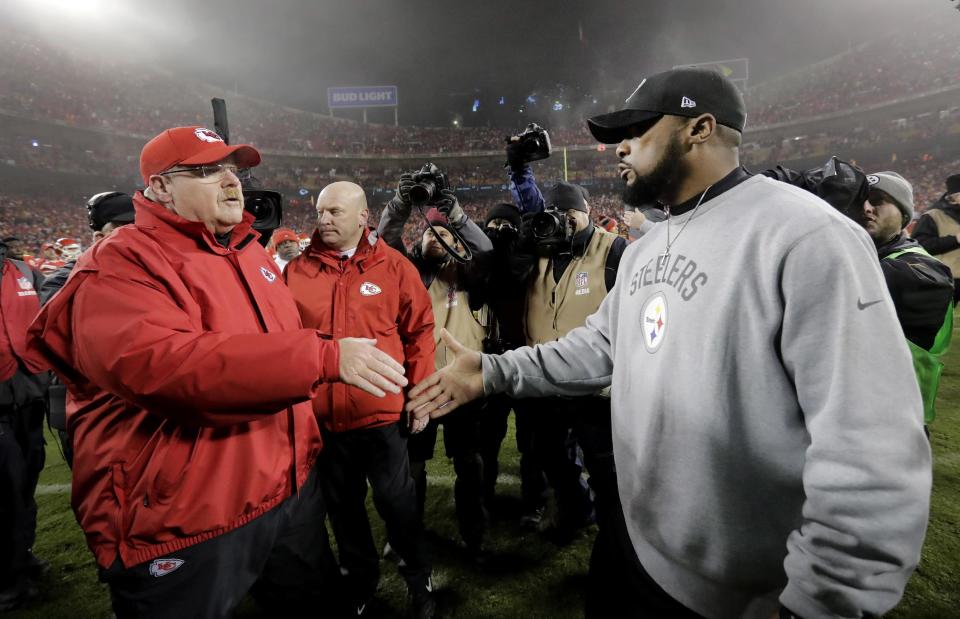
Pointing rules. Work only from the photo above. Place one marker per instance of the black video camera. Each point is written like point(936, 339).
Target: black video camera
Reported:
point(267, 207)
point(839, 183)
point(430, 181)
point(533, 143)
point(551, 227)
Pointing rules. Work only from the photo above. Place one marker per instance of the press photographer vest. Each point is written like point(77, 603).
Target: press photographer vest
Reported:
point(947, 226)
point(555, 308)
point(926, 363)
point(451, 311)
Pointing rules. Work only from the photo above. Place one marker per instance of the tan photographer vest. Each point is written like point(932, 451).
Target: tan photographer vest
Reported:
point(451, 310)
point(553, 309)
point(947, 226)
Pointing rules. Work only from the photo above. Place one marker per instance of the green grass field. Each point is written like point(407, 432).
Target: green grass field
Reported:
point(528, 576)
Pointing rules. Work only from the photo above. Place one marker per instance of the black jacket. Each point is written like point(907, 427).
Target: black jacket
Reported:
point(921, 287)
point(927, 235)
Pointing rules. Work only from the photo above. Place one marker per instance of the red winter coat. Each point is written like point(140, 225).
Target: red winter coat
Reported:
point(19, 304)
point(189, 374)
point(376, 294)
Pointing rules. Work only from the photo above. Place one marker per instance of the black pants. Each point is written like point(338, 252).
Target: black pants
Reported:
point(493, 426)
point(620, 587)
point(283, 558)
point(555, 449)
point(21, 460)
point(463, 443)
point(349, 460)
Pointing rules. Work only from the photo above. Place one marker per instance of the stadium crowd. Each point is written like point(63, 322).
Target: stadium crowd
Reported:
point(38, 220)
point(109, 94)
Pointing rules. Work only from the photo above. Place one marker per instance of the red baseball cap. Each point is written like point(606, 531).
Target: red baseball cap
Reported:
point(281, 235)
point(191, 146)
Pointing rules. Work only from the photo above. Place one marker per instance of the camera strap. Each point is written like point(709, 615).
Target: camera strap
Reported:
point(468, 253)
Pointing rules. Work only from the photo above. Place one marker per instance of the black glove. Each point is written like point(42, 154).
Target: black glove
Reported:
point(516, 160)
point(448, 204)
point(403, 189)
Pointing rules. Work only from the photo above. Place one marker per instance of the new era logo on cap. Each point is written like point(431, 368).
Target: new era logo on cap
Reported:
point(685, 91)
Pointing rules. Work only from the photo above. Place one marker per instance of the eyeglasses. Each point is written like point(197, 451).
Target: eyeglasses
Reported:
point(502, 225)
point(210, 173)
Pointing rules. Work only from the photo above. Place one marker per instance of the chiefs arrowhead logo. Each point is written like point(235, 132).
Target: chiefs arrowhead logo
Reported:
point(162, 567)
point(369, 290)
point(268, 275)
point(206, 135)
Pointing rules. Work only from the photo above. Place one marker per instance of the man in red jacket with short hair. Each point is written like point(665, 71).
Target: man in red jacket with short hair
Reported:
point(194, 441)
point(350, 283)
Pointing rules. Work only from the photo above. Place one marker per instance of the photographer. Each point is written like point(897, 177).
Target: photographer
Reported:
point(446, 281)
point(938, 230)
point(921, 286)
point(499, 281)
point(576, 266)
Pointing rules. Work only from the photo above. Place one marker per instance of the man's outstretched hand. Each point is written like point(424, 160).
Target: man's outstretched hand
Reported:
point(365, 366)
point(458, 383)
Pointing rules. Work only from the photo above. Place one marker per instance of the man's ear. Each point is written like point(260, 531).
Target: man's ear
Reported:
point(702, 128)
point(158, 185)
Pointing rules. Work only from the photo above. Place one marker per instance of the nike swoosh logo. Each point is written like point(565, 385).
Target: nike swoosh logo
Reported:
point(360, 609)
point(862, 306)
point(430, 585)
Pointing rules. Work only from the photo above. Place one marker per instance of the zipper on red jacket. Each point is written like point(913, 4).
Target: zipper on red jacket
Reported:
point(235, 261)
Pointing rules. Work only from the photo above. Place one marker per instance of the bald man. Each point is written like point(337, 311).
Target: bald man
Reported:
point(350, 283)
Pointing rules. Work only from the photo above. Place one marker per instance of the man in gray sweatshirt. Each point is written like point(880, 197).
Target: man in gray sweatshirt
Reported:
point(767, 425)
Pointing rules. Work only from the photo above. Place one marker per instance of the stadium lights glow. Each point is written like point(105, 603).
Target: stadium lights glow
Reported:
point(71, 6)
point(34, 143)
point(69, 9)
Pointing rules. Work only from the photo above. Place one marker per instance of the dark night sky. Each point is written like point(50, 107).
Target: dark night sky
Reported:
point(291, 50)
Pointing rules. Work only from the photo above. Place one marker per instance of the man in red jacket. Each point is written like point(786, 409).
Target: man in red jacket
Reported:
point(349, 282)
point(22, 388)
point(194, 445)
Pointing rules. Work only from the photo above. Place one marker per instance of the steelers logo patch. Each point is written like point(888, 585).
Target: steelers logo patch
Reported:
point(653, 320)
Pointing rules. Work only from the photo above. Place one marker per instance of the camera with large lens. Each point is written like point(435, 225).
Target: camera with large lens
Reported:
point(840, 184)
point(551, 227)
point(430, 181)
point(533, 143)
point(267, 207)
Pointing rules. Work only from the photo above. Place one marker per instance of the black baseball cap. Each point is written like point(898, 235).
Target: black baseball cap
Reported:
point(109, 206)
point(678, 92)
point(564, 196)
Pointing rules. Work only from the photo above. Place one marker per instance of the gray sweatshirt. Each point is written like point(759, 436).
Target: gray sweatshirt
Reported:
point(767, 425)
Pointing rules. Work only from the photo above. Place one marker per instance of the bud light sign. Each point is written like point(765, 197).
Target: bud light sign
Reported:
point(362, 96)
